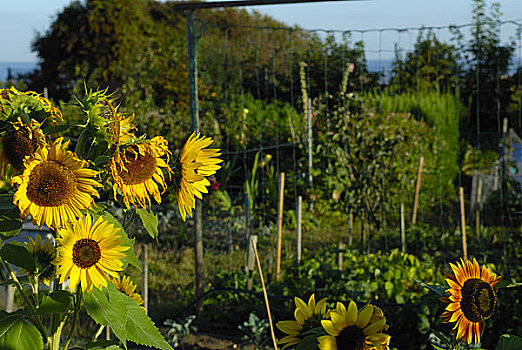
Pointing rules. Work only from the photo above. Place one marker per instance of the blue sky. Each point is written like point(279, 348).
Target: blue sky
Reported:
point(21, 20)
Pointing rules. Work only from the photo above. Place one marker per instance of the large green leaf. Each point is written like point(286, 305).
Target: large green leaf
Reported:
point(438, 289)
point(509, 342)
point(507, 284)
point(308, 343)
point(17, 255)
point(126, 318)
point(107, 312)
point(150, 222)
point(54, 129)
point(140, 328)
point(102, 344)
point(6, 201)
point(130, 257)
point(55, 302)
point(17, 333)
point(10, 222)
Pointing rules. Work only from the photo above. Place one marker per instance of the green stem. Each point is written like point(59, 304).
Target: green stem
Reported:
point(80, 144)
point(36, 320)
point(131, 220)
point(77, 306)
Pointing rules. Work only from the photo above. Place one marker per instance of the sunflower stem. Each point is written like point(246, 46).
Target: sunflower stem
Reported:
point(77, 306)
point(28, 302)
point(131, 220)
point(80, 144)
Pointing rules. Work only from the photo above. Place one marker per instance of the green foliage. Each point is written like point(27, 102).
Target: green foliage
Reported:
point(509, 342)
point(106, 308)
point(255, 331)
point(18, 333)
point(16, 254)
point(178, 331)
point(150, 222)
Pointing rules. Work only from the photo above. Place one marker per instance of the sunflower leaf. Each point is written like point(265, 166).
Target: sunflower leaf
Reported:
point(130, 257)
point(16, 254)
point(509, 342)
point(17, 333)
point(55, 302)
point(308, 342)
point(102, 344)
point(438, 289)
point(107, 312)
point(54, 129)
point(10, 223)
point(150, 222)
point(140, 328)
point(507, 284)
point(315, 331)
point(6, 201)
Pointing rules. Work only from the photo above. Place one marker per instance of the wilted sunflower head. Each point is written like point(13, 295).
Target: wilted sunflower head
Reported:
point(20, 142)
point(472, 297)
point(118, 127)
point(43, 254)
point(307, 317)
point(16, 105)
point(191, 168)
point(137, 170)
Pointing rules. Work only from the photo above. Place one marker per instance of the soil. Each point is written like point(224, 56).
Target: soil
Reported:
point(213, 342)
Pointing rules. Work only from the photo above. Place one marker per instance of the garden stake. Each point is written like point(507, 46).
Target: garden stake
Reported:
point(463, 224)
point(417, 191)
point(254, 243)
point(280, 223)
point(299, 233)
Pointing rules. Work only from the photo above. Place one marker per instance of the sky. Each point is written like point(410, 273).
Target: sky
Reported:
point(21, 20)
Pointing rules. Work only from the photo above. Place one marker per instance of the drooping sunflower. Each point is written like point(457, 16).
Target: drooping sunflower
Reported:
point(88, 253)
point(353, 330)
point(137, 170)
point(127, 287)
point(43, 254)
point(55, 186)
point(307, 316)
point(472, 297)
point(32, 100)
point(118, 126)
point(194, 164)
point(22, 141)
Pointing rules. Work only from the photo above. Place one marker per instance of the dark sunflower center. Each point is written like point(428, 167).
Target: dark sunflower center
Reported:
point(478, 300)
point(86, 252)
point(16, 146)
point(351, 338)
point(51, 184)
point(140, 168)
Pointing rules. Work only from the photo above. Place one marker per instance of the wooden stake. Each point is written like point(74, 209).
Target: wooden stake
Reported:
point(145, 278)
point(280, 223)
point(254, 243)
point(250, 260)
point(403, 230)
point(477, 206)
point(298, 237)
point(463, 224)
point(350, 228)
point(417, 192)
point(340, 257)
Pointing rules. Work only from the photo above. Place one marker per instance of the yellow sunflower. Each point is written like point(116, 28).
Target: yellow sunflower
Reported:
point(193, 165)
point(43, 254)
point(137, 170)
point(472, 297)
point(353, 330)
point(23, 141)
point(127, 287)
point(88, 253)
point(55, 186)
point(307, 316)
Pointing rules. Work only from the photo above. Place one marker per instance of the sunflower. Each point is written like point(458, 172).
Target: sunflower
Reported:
point(353, 330)
point(118, 127)
point(88, 252)
point(22, 141)
point(137, 170)
point(52, 113)
point(43, 254)
point(472, 297)
point(127, 287)
point(55, 186)
point(307, 316)
point(194, 164)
